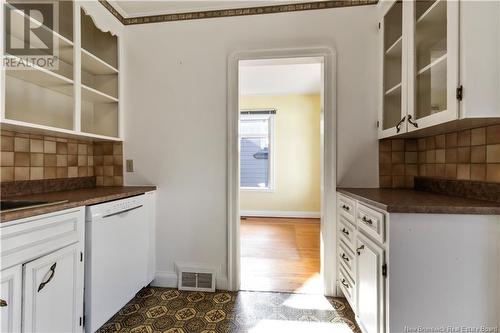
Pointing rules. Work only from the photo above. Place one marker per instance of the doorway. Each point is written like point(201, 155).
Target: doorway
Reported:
point(280, 198)
point(267, 230)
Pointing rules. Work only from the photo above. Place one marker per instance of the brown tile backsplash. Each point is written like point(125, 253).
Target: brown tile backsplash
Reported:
point(462, 155)
point(26, 157)
point(108, 163)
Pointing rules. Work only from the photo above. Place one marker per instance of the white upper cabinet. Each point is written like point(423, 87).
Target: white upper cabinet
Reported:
point(439, 65)
point(99, 79)
point(79, 96)
point(393, 100)
point(432, 63)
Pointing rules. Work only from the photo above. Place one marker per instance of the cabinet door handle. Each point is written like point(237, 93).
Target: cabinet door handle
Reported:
point(343, 256)
point(3, 303)
point(52, 272)
point(344, 230)
point(367, 221)
point(358, 250)
point(412, 122)
point(346, 208)
point(345, 283)
point(398, 126)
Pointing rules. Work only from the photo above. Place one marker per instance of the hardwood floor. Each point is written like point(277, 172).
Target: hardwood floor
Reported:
point(280, 254)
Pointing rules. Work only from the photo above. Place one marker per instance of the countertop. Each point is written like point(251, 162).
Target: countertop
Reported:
point(412, 201)
point(76, 198)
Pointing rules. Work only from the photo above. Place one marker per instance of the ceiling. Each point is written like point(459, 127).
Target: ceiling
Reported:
point(135, 8)
point(280, 79)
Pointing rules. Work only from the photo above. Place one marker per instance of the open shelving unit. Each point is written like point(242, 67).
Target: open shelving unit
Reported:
point(36, 95)
point(99, 57)
point(46, 100)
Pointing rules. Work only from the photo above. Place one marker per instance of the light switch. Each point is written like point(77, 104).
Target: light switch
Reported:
point(130, 165)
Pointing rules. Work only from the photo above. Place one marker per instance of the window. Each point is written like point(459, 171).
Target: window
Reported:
point(256, 136)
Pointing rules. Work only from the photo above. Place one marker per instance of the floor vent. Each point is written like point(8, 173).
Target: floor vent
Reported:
point(196, 279)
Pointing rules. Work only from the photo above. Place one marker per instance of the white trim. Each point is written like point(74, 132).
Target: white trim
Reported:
point(279, 213)
point(272, 160)
point(168, 279)
point(328, 165)
point(269, 189)
point(165, 279)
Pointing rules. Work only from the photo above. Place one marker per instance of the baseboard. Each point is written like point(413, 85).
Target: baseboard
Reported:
point(279, 213)
point(167, 279)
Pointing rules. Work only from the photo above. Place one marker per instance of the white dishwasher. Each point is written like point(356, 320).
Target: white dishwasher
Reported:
point(116, 262)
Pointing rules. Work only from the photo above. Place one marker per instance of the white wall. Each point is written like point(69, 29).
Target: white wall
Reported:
point(175, 105)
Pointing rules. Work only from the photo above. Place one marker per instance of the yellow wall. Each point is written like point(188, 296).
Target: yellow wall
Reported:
point(297, 154)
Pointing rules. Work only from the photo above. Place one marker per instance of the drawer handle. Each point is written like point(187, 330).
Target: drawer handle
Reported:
point(343, 256)
point(358, 250)
point(346, 208)
point(122, 212)
point(345, 283)
point(344, 230)
point(3, 303)
point(367, 221)
point(52, 273)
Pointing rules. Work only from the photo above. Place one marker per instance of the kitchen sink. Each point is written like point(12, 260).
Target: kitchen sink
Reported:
point(10, 205)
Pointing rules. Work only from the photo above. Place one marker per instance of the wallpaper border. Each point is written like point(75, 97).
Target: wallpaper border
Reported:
point(219, 13)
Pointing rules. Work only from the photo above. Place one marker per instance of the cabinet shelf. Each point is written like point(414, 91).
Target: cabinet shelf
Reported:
point(394, 90)
point(17, 125)
point(94, 65)
point(434, 63)
point(95, 96)
point(395, 49)
point(43, 78)
point(434, 13)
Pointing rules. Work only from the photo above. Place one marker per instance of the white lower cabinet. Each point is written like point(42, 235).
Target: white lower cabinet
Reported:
point(419, 272)
point(10, 299)
point(52, 292)
point(369, 284)
point(42, 286)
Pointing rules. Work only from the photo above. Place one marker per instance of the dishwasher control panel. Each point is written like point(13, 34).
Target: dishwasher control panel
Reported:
point(116, 207)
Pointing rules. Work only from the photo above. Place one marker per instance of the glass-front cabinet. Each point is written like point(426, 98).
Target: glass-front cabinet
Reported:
point(432, 63)
point(393, 88)
point(419, 59)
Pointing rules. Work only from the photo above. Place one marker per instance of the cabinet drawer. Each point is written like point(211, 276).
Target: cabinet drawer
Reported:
point(346, 208)
point(371, 222)
point(346, 258)
point(347, 286)
point(32, 237)
point(346, 232)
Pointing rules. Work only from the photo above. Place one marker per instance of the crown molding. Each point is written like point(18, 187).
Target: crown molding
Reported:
point(219, 13)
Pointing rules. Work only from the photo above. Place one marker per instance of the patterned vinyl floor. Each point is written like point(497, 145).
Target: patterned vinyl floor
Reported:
point(173, 311)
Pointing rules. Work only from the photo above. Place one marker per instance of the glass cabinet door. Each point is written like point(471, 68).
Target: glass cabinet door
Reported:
point(433, 63)
point(392, 72)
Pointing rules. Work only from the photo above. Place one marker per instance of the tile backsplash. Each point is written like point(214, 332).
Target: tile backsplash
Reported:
point(33, 157)
point(464, 155)
point(108, 163)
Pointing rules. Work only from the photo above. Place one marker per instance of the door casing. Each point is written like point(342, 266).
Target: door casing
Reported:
point(328, 160)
